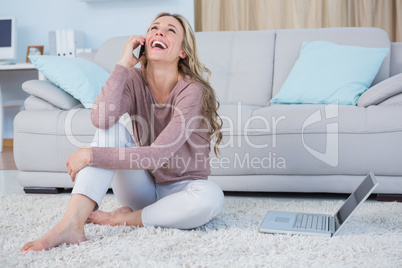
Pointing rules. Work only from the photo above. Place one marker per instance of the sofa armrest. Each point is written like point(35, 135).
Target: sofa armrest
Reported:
point(35, 103)
point(381, 91)
point(394, 100)
point(47, 91)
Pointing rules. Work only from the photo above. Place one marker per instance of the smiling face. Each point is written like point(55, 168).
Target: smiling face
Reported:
point(164, 40)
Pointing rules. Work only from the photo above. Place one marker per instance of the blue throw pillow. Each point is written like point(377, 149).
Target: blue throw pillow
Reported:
point(79, 77)
point(326, 72)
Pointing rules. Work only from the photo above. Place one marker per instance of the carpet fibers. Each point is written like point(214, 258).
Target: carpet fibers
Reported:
point(372, 238)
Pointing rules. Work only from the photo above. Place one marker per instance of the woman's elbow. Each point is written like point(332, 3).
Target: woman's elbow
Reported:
point(99, 121)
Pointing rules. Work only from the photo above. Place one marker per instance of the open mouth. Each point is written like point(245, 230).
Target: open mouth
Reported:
point(158, 44)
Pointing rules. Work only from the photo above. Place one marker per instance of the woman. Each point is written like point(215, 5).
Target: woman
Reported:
point(161, 177)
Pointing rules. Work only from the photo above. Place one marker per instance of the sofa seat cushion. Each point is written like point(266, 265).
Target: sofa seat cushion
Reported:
point(283, 140)
point(235, 117)
point(55, 122)
point(49, 137)
point(309, 118)
point(312, 140)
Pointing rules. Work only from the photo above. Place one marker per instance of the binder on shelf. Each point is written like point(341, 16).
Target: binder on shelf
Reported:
point(67, 42)
point(58, 43)
point(75, 39)
point(52, 43)
point(63, 43)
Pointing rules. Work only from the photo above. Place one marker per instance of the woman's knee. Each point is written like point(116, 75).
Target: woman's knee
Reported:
point(134, 188)
point(198, 203)
point(115, 136)
point(207, 196)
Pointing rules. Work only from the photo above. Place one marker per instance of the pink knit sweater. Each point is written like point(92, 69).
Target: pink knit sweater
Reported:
point(171, 141)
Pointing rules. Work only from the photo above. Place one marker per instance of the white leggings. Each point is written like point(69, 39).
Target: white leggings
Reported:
point(183, 205)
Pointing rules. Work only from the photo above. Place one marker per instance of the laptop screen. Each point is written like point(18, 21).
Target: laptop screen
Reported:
point(358, 196)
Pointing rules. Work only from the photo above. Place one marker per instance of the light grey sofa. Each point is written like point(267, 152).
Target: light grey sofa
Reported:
point(266, 148)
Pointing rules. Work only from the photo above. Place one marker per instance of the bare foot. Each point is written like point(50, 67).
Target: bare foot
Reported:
point(64, 232)
point(107, 218)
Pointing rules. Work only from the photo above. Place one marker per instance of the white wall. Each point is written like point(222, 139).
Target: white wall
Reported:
point(99, 20)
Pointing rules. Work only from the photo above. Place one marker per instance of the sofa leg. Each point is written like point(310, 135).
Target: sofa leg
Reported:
point(43, 190)
point(389, 197)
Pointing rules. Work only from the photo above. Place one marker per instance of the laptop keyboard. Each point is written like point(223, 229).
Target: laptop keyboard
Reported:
point(311, 222)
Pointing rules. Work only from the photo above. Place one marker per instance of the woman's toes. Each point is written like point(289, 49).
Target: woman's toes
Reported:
point(33, 246)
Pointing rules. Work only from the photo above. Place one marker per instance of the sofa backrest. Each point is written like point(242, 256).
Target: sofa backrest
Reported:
point(251, 66)
point(288, 44)
point(241, 64)
point(110, 52)
point(396, 58)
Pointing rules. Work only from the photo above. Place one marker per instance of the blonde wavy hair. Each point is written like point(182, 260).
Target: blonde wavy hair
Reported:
point(192, 67)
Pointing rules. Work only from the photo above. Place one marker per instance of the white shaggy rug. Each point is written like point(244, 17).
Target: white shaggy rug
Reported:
point(372, 238)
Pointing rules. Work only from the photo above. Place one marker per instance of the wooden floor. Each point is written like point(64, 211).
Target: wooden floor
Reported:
point(7, 156)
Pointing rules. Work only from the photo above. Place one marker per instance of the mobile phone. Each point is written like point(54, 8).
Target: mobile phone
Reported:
point(142, 51)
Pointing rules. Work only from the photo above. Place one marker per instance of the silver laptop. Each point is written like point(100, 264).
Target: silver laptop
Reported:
point(318, 224)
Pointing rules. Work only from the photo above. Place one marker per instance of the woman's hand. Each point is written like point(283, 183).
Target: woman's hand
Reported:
point(128, 59)
point(78, 160)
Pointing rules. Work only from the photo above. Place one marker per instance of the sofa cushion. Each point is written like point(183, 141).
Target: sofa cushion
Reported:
point(382, 91)
point(309, 118)
point(288, 44)
point(326, 72)
point(241, 65)
point(235, 118)
point(313, 140)
point(47, 91)
point(45, 139)
point(81, 78)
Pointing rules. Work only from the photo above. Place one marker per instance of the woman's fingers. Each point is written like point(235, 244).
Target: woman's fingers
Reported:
point(72, 175)
point(78, 160)
point(136, 41)
point(128, 59)
point(139, 39)
point(71, 172)
point(141, 58)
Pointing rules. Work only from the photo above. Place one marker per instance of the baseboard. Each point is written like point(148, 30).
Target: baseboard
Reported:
point(43, 190)
point(389, 197)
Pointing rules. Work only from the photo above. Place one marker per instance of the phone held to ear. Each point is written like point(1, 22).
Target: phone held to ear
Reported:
point(142, 51)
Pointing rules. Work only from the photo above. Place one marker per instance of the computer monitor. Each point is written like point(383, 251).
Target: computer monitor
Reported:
point(8, 39)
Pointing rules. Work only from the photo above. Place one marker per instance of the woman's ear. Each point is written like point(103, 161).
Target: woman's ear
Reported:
point(183, 54)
